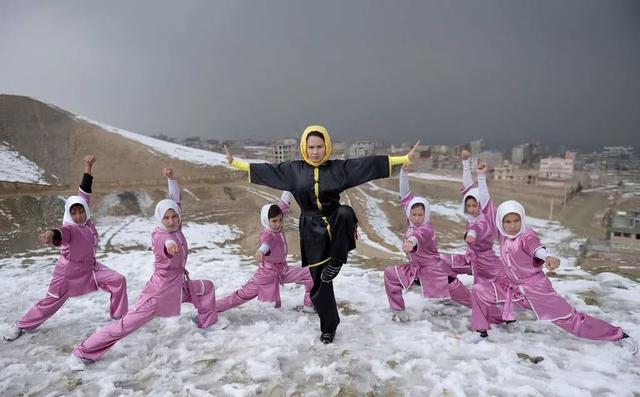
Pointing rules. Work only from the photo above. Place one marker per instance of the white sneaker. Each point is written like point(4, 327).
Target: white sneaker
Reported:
point(308, 309)
point(75, 363)
point(13, 333)
point(630, 344)
point(400, 315)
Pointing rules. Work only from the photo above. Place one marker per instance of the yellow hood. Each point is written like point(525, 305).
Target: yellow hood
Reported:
point(327, 144)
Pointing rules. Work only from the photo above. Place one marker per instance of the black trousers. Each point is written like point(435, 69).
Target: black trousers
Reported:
point(324, 301)
point(343, 224)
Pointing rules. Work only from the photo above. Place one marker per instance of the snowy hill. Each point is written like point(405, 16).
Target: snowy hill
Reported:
point(123, 157)
point(14, 167)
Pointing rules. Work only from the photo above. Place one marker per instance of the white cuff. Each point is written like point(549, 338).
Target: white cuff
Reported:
point(264, 248)
point(413, 239)
point(168, 242)
point(541, 253)
point(472, 233)
point(286, 197)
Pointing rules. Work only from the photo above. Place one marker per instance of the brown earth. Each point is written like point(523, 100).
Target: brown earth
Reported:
point(56, 141)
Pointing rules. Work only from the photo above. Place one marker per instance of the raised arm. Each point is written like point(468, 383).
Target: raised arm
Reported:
point(285, 202)
point(84, 190)
point(467, 179)
point(483, 189)
point(235, 163)
point(404, 182)
point(173, 187)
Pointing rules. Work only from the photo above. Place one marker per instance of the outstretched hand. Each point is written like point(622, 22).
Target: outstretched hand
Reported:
point(89, 160)
point(412, 153)
point(481, 168)
point(470, 239)
point(552, 263)
point(259, 256)
point(228, 154)
point(46, 237)
point(173, 249)
point(465, 155)
point(407, 246)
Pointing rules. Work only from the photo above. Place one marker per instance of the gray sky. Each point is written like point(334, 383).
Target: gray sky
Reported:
point(559, 72)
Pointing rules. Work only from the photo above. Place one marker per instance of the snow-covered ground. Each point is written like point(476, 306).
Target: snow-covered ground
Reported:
point(277, 351)
point(14, 167)
point(379, 221)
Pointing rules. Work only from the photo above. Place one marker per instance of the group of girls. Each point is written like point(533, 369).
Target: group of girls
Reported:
point(327, 233)
point(514, 279)
point(77, 272)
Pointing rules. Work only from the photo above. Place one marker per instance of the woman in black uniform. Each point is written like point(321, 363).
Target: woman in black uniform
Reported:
point(327, 228)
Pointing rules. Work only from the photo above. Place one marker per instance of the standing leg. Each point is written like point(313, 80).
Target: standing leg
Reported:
point(585, 326)
point(325, 302)
point(483, 302)
point(239, 297)
point(103, 339)
point(205, 301)
point(116, 284)
point(394, 288)
point(459, 293)
point(457, 262)
point(300, 275)
point(42, 311)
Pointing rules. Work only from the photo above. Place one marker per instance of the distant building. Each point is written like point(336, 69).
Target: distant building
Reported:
point(362, 148)
point(624, 230)
point(617, 158)
point(556, 168)
point(512, 173)
point(571, 155)
point(521, 154)
point(619, 152)
point(340, 149)
point(492, 159)
point(284, 150)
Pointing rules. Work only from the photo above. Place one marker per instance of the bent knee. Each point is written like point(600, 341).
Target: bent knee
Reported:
point(344, 211)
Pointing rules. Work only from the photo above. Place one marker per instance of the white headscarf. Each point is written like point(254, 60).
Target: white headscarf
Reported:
point(475, 193)
point(509, 207)
point(264, 216)
point(427, 209)
point(162, 207)
point(71, 201)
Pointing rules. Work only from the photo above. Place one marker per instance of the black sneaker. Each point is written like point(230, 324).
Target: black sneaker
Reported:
point(330, 271)
point(327, 337)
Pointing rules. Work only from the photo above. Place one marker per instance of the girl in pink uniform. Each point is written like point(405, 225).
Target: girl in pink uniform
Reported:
point(524, 283)
point(479, 258)
point(77, 272)
point(435, 275)
point(167, 289)
point(273, 270)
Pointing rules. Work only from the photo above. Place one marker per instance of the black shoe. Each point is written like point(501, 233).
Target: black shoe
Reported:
point(330, 271)
point(483, 334)
point(327, 337)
